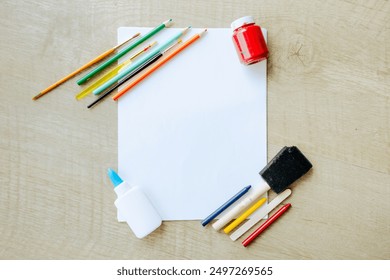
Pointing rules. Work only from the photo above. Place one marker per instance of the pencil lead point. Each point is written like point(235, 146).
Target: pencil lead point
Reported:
point(168, 22)
point(185, 30)
point(202, 32)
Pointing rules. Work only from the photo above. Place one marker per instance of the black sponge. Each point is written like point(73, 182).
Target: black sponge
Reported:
point(285, 168)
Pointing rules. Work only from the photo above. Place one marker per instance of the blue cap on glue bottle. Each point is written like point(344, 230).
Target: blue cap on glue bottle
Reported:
point(134, 207)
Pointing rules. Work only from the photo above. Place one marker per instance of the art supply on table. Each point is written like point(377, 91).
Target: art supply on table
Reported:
point(134, 207)
point(236, 210)
point(260, 214)
point(265, 225)
point(186, 120)
point(159, 64)
point(284, 169)
point(131, 75)
point(244, 215)
point(124, 51)
point(85, 66)
point(137, 64)
point(112, 73)
point(224, 206)
point(249, 41)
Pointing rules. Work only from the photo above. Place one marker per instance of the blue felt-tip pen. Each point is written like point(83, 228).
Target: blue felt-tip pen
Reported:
point(224, 206)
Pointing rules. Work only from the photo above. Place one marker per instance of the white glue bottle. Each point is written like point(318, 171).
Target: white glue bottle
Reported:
point(134, 207)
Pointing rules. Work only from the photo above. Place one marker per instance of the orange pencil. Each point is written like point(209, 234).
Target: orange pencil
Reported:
point(85, 66)
point(158, 64)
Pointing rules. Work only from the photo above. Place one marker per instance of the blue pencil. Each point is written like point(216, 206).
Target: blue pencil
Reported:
point(225, 205)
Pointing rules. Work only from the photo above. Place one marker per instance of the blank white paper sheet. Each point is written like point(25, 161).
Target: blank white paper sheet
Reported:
point(193, 133)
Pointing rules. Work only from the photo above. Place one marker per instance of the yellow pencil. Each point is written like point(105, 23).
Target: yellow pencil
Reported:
point(245, 215)
point(85, 66)
point(112, 73)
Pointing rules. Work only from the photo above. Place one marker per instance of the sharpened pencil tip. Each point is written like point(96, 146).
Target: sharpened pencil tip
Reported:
point(185, 30)
point(202, 32)
point(168, 22)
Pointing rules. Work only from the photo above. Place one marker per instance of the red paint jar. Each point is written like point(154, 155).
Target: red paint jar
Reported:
point(249, 41)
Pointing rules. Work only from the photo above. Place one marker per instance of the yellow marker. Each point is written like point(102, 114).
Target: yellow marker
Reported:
point(245, 215)
point(111, 74)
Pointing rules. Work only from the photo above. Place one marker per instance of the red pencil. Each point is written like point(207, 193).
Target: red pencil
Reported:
point(265, 225)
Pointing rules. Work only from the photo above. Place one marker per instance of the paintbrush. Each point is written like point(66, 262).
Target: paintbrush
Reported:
point(283, 170)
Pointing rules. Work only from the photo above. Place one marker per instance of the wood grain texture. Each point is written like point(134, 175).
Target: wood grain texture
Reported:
point(328, 94)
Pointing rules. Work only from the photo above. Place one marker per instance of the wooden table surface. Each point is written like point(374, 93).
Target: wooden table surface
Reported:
point(328, 94)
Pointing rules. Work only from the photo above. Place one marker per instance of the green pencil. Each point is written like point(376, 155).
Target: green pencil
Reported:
point(124, 51)
point(137, 64)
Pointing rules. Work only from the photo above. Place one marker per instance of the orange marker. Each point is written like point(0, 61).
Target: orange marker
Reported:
point(158, 64)
point(85, 66)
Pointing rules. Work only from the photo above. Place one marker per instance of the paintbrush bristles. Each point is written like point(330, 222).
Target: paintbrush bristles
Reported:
point(128, 40)
point(38, 96)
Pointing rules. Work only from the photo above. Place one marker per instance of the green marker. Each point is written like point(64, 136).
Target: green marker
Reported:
point(123, 52)
point(137, 64)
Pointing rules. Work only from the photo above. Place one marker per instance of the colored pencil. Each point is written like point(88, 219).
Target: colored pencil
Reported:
point(158, 64)
point(132, 74)
point(137, 64)
point(107, 63)
point(111, 73)
point(265, 225)
point(82, 68)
